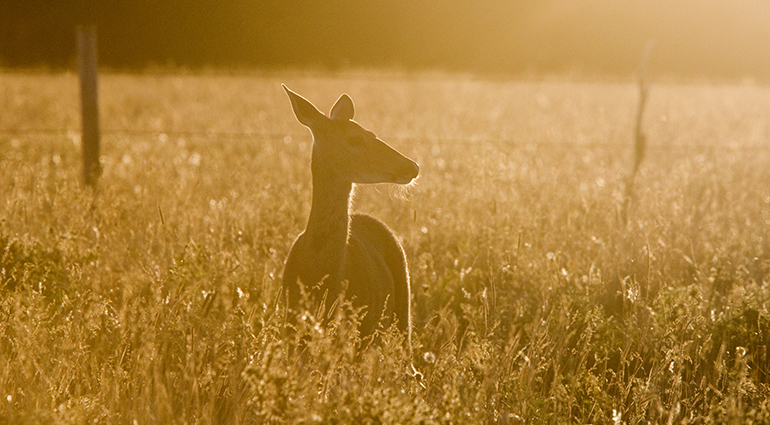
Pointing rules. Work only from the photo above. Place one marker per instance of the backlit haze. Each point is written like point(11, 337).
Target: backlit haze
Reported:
point(692, 38)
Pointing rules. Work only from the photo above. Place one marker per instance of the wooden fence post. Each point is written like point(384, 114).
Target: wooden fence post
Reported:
point(87, 70)
point(640, 138)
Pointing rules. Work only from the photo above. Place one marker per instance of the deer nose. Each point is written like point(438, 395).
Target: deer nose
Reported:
point(416, 169)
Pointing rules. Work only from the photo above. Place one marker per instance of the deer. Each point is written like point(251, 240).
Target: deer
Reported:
point(341, 253)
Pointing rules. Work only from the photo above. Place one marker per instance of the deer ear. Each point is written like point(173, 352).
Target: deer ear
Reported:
point(343, 109)
point(307, 114)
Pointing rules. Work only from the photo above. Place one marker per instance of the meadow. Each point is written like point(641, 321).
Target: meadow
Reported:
point(537, 298)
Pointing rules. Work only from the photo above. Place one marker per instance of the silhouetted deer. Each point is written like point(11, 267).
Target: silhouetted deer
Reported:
point(343, 253)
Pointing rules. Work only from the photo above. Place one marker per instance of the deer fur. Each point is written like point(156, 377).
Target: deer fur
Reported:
point(341, 253)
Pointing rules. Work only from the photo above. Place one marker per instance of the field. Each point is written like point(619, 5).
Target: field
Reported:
point(538, 297)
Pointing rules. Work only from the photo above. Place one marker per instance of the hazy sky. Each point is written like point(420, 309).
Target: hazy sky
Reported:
point(700, 36)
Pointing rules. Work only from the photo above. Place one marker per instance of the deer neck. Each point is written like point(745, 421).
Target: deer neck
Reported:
point(328, 225)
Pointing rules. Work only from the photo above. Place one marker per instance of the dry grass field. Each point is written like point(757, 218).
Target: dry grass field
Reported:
point(151, 299)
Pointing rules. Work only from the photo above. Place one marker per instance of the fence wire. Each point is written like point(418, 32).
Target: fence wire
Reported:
point(42, 133)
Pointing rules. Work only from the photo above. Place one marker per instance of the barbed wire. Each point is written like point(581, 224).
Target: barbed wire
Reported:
point(432, 139)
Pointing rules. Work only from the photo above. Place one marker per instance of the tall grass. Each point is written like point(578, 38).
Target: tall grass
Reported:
point(152, 299)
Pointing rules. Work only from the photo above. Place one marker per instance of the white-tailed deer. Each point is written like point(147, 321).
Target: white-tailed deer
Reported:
point(338, 248)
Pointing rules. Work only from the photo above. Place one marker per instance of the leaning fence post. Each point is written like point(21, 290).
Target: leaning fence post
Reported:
point(87, 70)
point(640, 138)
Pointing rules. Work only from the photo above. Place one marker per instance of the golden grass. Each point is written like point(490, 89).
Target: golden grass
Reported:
point(152, 298)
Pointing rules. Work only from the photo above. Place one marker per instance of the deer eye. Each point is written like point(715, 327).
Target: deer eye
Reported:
point(357, 140)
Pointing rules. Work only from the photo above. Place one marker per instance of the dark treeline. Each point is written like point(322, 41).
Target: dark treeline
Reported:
point(486, 36)
point(138, 33)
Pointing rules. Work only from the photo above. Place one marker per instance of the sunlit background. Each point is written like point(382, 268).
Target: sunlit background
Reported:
point(587, 242)
point(692, 38)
